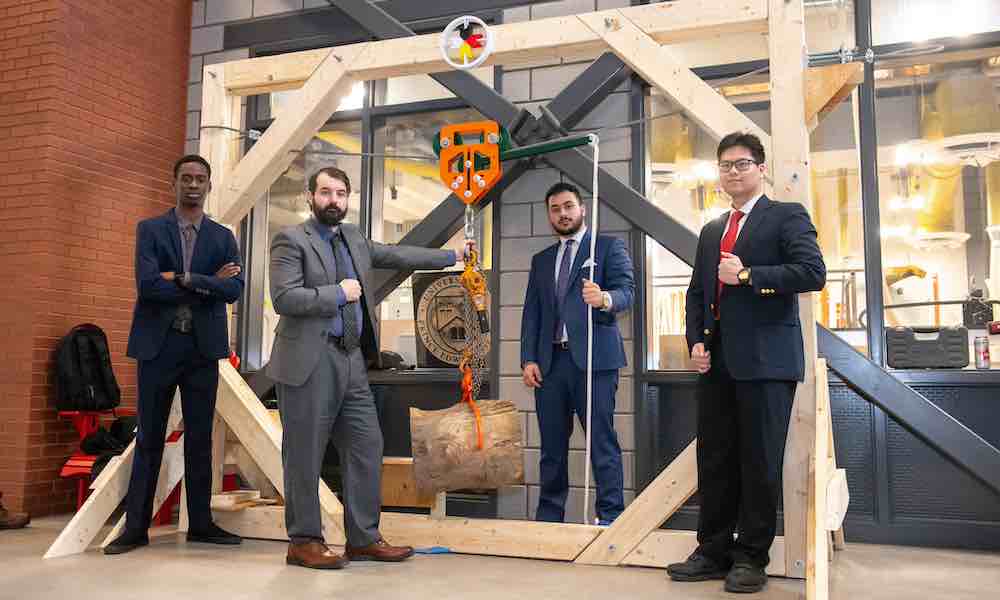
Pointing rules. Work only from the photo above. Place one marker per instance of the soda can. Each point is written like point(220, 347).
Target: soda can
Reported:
point(981, 345)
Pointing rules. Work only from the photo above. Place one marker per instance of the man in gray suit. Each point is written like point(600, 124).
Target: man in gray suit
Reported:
point(320, 278)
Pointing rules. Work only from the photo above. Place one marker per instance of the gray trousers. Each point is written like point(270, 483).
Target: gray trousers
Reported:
point(335, 400)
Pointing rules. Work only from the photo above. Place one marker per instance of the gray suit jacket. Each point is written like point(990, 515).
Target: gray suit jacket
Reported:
point(304, 292)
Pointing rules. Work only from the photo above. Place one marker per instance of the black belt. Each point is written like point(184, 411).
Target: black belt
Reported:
point(182, 326)
point(561, 345)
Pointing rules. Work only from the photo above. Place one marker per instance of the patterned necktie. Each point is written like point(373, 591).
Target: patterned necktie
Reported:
point(728, 241)
point(348, 312)
point(561, 284)
point(188, 246)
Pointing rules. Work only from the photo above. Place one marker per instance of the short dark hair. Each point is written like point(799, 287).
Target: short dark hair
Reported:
point(561, 187)
point(747, 140)
point(191, 158)
point(335, 173)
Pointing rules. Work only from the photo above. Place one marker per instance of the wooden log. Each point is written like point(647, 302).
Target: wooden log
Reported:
point(445, 452)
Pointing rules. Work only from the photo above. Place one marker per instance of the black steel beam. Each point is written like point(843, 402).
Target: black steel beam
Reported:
point(602, 77)
point(870, 218)
point(334, 27)
point(916, 414)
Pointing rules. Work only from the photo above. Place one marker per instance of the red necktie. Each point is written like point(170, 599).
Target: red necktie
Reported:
point(728, 241)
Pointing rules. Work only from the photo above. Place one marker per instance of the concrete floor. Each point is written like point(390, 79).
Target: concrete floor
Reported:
point(170, 569)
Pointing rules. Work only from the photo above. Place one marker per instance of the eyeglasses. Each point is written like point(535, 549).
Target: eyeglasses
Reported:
point(743, 165)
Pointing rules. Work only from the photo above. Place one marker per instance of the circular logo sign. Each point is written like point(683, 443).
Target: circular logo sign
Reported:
point(441, 321)
point(466, 42)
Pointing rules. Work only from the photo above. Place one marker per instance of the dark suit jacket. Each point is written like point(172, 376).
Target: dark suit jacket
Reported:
point(761, 333)
point(304, 292)
point(158, 250)
point(612, 272)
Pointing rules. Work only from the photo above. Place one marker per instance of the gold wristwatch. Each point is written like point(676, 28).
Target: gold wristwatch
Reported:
point(744, 276)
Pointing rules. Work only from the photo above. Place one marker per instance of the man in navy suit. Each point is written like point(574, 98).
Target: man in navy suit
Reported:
point(554, 351)
point(186, 270)
point(745, 339)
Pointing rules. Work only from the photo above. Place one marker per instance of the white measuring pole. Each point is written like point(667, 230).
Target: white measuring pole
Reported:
point(595, 142)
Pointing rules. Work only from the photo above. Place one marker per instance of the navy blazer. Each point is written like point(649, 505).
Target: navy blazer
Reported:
point(158, 250)
point(612, 272)
point(761, 332)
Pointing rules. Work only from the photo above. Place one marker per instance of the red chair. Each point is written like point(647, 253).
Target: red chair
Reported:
point(81, 465)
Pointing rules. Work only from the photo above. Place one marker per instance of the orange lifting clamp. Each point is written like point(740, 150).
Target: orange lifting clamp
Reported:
point(470, 158)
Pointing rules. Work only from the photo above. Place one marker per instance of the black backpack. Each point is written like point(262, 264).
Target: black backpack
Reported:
point(83, 371)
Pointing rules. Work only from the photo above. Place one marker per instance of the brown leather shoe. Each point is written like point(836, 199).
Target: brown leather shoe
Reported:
point(9, 520)
point(314, 555)
point(380, 551)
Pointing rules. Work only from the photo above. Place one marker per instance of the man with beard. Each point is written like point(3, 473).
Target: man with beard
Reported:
point(320, 281)
point(187, 268)
point(554, 352)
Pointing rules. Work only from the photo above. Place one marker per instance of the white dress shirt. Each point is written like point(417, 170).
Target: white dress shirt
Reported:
point(577, 240)
point(746, 213)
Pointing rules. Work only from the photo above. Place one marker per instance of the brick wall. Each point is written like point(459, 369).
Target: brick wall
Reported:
point(92, 104)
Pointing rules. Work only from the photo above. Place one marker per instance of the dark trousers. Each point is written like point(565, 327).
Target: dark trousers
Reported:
point(179, 364)
point(563, 394)
point(742, 427)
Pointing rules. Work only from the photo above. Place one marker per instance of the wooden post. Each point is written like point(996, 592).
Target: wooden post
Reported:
point(790, 136)
point(817, 534)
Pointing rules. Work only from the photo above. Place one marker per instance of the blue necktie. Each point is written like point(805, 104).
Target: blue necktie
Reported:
point(561, 284)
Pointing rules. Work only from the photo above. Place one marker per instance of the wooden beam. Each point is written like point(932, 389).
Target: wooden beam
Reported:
point(663, 547)
point(494, 537)
point(399, 486)
point(517, 44)
point(219, 144)
point(817, 535)
point(252, 473)
point(261, 437)
point(837, 499)
point(828, 86)
point(790, 151)
point(661, 498)
point(218, 452)
point(108, 490)
point(657, 65)
point(274, 151)
point(107, 494)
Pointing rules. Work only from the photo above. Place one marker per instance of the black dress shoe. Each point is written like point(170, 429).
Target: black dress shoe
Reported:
point(745, 578)
point(697, 567)
point(126, 542)
point(213, 534)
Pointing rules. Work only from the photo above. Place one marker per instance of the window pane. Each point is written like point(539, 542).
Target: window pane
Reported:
point(683, 182)
point(416, 88)
point(939, 191)
point(290, 98)
point(829, 26)
point(288, 198)
point(896, 21)
point(410, 189)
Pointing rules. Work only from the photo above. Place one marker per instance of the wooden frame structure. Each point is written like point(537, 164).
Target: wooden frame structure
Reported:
point(815, 491)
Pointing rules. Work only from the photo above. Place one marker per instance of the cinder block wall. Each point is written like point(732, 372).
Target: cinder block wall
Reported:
point(525, 230)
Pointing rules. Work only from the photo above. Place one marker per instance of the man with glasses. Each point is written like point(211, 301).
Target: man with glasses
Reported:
point(745, 339)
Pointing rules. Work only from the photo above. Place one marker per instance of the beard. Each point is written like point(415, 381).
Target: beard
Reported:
point(330, 216)
point(568, 226)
